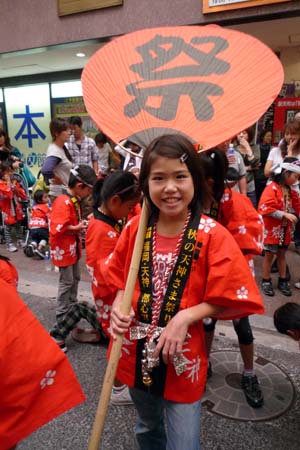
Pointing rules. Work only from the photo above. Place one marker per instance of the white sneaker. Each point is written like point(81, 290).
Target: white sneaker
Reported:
point(120, 396)
point(12, 248)
point(21, 243)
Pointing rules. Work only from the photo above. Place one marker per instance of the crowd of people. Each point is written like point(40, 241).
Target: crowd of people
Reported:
point(210, 213)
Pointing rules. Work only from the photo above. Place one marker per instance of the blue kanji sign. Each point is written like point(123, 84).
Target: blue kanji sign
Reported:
point(28, 126)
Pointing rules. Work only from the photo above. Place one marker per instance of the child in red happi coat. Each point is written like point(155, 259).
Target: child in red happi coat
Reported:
point(190, 268)
point(66, 224)
point(11, 194)
point(235, 212)
point(114, 199)
point(39, 225)
point(279, 206)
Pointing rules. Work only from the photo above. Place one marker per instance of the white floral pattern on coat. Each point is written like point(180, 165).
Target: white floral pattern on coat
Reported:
point(242, 229)
point(103, 310)
point(72, 249)
point(242, 293)
point(263, 207)
point(206, 224)
point(90, 270)
point(57, 253)
point(276, 231)
point(59, 227)
point(225, 198)
point(48, 380)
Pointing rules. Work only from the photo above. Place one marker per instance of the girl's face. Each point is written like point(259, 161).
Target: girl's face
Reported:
point(45, 198)
point(291, 178)
point(119, 208)
point(82, 190)
point(243, 135)
point(267, 139)
point(171, 187)
point(291, 137)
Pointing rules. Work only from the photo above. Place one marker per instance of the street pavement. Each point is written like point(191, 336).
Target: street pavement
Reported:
point(71, 431)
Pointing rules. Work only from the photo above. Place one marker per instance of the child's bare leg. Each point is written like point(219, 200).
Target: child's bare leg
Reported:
point(283, 283)
point(281, 262)
point(267, 263)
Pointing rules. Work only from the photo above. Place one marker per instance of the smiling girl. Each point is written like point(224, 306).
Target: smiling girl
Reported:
point(190, 268)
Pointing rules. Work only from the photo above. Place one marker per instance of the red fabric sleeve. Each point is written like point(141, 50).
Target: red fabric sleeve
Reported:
point(270, 200)
point(39, 382)
point(20, 191)
point(8, 272)
point(229, 282)
point(5, 189)
point(60, 216)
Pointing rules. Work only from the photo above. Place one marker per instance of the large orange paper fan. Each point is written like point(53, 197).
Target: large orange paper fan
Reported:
point(208, 83)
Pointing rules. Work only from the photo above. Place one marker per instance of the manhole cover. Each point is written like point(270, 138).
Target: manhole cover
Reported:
point(225, 397)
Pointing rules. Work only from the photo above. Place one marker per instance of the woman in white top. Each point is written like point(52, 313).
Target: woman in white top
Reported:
point(132, 157)
point(58, 162)
point(288, 146)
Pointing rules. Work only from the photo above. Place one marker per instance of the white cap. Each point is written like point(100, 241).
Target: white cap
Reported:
point(293, 166)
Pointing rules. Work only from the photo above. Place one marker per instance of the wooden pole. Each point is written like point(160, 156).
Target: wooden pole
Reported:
point(112, 364)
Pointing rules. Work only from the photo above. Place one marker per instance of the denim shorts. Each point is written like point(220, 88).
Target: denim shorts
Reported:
point(274, 248)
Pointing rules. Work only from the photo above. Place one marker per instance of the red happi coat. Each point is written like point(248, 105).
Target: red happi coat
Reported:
point(65, 245)
point(39, 216)
point(101, 238)
point(10, 204)
point(8, 273)
point(241, 219)
point(219, 275)
point(37, 382)
point(272, 200)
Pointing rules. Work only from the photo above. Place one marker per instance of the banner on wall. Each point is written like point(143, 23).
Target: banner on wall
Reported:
point(74, 106)
point(214, 6)
point(28, 118)
point(285, 110)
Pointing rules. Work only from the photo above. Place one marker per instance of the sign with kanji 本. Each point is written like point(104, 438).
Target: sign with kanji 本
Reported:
point(28, 118)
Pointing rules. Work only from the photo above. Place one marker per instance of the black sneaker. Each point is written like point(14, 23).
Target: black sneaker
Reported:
point(252, 391)
point(267, 288)
point(284, 287)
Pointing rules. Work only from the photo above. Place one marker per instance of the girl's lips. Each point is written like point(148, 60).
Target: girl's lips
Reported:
point(171, 200)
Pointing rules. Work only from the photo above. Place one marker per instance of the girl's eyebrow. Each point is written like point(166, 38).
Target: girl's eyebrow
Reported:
point(159, 171)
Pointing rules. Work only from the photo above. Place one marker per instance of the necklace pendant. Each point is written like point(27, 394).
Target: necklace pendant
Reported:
point(147, 380)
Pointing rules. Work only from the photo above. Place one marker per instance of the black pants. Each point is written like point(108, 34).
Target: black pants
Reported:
point(242, 328)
